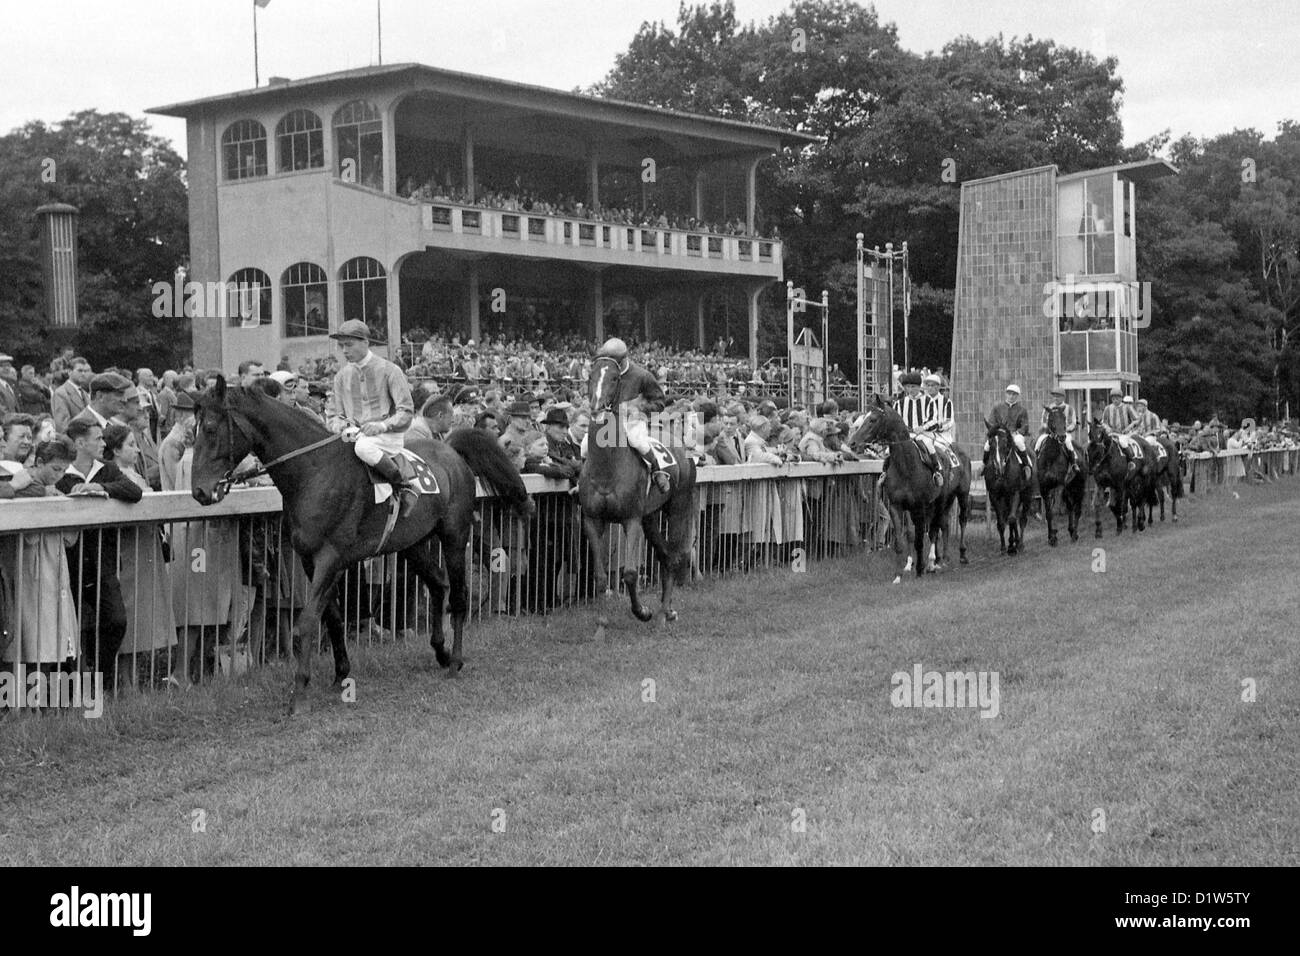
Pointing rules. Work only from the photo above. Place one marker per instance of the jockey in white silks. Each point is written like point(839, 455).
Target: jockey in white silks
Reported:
point(371, 407)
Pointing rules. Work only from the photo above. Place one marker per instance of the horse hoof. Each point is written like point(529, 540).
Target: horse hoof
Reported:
point(442, 656)
point(670, 615)
point(965, 560)
point(1052, 541)
point(600, 633)
point(898, 579)
point(454, 670)
point(299, 706)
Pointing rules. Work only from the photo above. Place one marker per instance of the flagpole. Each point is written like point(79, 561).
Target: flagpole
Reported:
point(257, 76)
point(379, 18)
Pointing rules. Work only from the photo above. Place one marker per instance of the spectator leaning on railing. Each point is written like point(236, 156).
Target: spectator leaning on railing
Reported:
point(103, 616)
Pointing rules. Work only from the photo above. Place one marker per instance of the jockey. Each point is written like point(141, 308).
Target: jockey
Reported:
point(1116, 419)
point(1012, 416)
point(1071, 425)
point(936, 418)
point(639, 395)
point(914, 407)
point(1147, 425)
point(371, 407)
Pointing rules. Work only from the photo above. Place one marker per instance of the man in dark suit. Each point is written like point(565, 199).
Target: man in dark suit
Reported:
point(93, 560)
point(33, 394)
point(107, 399)
point(561, 447)
point(8, 379)
point(71, 398)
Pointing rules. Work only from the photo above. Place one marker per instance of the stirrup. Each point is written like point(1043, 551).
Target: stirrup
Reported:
point(666, 485)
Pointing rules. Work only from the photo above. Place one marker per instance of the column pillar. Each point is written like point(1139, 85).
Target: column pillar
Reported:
point(467, 139)
point(751, 298)
point(751, 194)
point(699, 321)
point(699, 194)
point(598, 306)
point(475, 329)
point(390, 151)
point(593, 179)
point(393, 287)
point(645, 320)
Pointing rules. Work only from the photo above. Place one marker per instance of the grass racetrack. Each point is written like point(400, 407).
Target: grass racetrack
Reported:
point(1122, 736)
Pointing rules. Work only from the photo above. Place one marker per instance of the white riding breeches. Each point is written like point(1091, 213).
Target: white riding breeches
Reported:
point(926, 439)
point(1016, 437)
point(635, 431)
point(371, 449)
point(1068, 438)
point(1128, 441)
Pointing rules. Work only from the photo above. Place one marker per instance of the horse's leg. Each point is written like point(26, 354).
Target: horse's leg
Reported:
point(963, 515)
point(681, 509)
point(324, 568)
point(421, 560)
point(1049, 511)
point(629, 563)
point(920, 537)
point(454, 546)
point(898, 519)
point(333, 618)
point(595, 529)
point(650, 526)
point(1097, 505)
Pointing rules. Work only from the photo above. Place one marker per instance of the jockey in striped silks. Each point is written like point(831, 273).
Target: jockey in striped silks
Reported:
point(914, 407)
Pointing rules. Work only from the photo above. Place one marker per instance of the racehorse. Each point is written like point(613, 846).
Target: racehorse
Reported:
point(908, 490)
point(329, 501)
point(1110, 472)
point(1053, 466)
point(1166, 477)
point(1009, 489)
point(614, 487)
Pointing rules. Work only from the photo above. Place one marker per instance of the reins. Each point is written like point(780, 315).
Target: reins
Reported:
point(232, 477)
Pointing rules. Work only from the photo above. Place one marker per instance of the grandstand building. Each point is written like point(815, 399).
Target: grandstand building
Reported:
point(425, 200)
point(1047, 289)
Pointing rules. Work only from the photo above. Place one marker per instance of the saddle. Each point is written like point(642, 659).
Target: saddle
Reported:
point(1161, 453)
point(664, 460)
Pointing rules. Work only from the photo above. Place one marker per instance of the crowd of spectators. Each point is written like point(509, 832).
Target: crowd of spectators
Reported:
point(70, 430)
point(507, 199)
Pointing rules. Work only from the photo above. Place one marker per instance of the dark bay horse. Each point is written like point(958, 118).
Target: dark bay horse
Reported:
point(334, 521)
point(1166, 478)
point(1009, 489)
point(1053, 466)
point(1110, 474)
point(908, 490)
point(614, 488)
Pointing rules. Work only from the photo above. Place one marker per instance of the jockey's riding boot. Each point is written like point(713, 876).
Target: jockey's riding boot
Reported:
point(387, 469)
point(1025, 462)
point(932, 462)
point(1073, 470)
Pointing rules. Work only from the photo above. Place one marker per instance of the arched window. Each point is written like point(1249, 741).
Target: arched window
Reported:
point(359, 144)
point(243, 150)
point(365, 294)
point(305, 295)
point(299, 142)
point(248, 298)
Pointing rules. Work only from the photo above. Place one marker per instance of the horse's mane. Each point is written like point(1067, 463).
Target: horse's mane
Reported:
point(275, 413)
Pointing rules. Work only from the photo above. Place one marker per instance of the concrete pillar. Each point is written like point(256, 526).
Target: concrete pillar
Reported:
point(598, 306)
point(699, 321)
point(751, 298)
point(390, 150)
point(394, 314)
point(475, 330)
point(593, 179)
point(468, 141)
point(699, 194)
point(645, 320)
point(751, 194)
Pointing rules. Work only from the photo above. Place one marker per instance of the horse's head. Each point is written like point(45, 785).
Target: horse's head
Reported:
point(219, 443)
point(602, 386)
point(1055, 420)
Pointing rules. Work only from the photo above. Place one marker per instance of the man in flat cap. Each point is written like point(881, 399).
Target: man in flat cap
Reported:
point(107, 399)
point(371, 407)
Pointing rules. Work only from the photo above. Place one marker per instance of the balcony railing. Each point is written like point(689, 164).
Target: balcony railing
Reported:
point(563, 231)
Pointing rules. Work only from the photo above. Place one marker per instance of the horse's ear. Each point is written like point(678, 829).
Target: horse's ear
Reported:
point(1047, 408)
point(876, 398)
point(219, 389)
point(988, 424)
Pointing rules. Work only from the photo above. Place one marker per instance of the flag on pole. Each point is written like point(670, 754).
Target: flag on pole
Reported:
point(262, 3)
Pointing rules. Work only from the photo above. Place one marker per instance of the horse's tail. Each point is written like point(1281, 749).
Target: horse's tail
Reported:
point(490, 464)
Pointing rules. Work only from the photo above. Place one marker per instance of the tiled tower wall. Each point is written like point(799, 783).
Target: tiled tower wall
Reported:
point(1000, 334)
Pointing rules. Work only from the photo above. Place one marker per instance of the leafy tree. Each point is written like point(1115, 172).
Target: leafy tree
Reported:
point(129, 187)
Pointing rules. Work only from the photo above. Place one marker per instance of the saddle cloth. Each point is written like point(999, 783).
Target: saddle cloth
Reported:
point(663, 457)
point(941, 449)
point(414, 469)
point(1160, 449)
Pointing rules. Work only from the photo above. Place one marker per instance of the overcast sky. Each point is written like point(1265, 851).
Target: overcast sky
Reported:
point(1198, 66)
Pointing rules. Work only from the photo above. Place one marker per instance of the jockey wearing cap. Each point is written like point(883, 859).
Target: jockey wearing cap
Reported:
point(1116, 419)
point(639, 395)
point(371, 407)
point(914, 407)
point(1071, 426)
point(1011, 415)
point(1146, 423)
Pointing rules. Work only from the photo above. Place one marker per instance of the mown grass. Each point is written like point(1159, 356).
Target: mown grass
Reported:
point(1120, 692)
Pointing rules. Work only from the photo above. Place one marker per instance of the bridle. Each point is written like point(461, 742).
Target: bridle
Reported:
point(231, 477)
point(599, 411)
